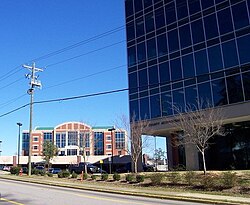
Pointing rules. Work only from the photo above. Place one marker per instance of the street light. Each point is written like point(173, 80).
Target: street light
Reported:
point(112, 160)
point(18, 146)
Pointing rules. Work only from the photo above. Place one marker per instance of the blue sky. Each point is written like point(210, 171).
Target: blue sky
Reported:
point(31, 29)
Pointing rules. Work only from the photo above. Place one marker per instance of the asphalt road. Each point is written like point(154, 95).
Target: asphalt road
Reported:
point(19, 193)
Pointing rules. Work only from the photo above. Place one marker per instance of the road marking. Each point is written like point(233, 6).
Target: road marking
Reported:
point(109, 199)
point(10, 201)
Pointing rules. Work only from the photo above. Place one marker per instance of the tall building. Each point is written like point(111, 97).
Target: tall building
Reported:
point(72, 137)
point(181, 51)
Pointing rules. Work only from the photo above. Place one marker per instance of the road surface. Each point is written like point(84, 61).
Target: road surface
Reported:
point(19, 193)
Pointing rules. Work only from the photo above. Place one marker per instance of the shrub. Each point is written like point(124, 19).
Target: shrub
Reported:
point(209, 182)
point(93, 177)
point(35, 171)
point(42, 172)
point(129, 177)
point(190, 177)
point(15, 170)
point(49, 174)
point(156, 178)
point(174, 177)
point(140, 178)
point(229, 179)
point(84, 176)
point(74, 175)
point(63, 174)
point(104, 177)
point(116, 176)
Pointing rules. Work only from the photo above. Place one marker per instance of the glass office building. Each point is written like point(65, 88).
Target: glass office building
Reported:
point(181, 51)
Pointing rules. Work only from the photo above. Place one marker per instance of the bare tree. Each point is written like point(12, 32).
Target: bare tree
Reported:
point(137, 140)
point(197, 126)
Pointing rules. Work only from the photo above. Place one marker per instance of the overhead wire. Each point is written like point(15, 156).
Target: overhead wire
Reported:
point(87, 53)
point(65, 99)
point(83, 77)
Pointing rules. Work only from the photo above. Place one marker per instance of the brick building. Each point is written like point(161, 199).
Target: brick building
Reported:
point(72, 137)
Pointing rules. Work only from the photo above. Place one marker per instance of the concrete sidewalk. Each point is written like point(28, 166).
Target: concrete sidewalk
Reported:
point(137, 191)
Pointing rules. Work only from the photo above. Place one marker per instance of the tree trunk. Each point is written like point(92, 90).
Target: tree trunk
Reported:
point(135, 166)
point(204, 162)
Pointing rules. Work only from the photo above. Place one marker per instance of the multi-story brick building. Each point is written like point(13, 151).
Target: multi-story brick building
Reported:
point(72, 137)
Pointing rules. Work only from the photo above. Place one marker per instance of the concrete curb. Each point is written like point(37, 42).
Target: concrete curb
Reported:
point(142, 194)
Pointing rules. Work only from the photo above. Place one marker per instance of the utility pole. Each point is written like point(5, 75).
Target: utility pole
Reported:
point(33, 83)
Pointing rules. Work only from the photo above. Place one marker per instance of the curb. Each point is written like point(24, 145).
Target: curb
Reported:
point(141, 194)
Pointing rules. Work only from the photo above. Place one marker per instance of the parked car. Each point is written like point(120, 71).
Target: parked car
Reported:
point(25, 170)
point(6, 168)
point(39, 167)
point(78, 168)
point(54, 170)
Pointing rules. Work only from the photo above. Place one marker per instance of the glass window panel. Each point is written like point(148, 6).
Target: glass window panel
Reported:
point(138, 5)
point(181, 8)
point(166, 104)
point(134, 110)
point(225, 21)
point(194, 6)
point(153, 76)
point(246, 83)
point(244, 48)
point(205, 96)
point(129, 7)
point(151, 48)
point(130, 31)
point(188, 66)
point(141, 52)
point(173, 41)
point(131, 56)
point(149, 22)
point(234, 89)
point(229, 54)
point(170, 13)
point(240, 15)
point(197, 31)
point(159, 18)
point(133, 86)
point(147, 3)
point(178, 98)
point(155, 106)
point(219, 92)
point(139, 27)
point(201, 62)
point(191, 97)
point(162, 45)
point(143, 79)
point(215, 58)
point(185, 36)
point(207, 3)
point(164, 72)
point(176, 72)
point(211, 26)
point(144, 108)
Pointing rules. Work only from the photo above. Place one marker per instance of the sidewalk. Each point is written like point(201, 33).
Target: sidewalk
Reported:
point(182, 196)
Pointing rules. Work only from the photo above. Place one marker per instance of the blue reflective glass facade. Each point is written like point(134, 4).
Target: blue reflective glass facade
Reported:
point(183, 50)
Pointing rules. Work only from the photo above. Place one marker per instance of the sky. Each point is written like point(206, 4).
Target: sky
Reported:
point(90, 35)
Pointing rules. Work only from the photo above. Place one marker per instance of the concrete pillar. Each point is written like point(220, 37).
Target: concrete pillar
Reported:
point(192, 158)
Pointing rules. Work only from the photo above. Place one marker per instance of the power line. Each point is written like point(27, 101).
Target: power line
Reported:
point(93, 51)
point(11, 101)
point(65, 99)
point(80, 43)
point(11, 83)
point(87, 76)
point(94, 38)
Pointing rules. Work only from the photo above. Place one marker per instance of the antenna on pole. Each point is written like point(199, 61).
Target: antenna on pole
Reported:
point(33, 84)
